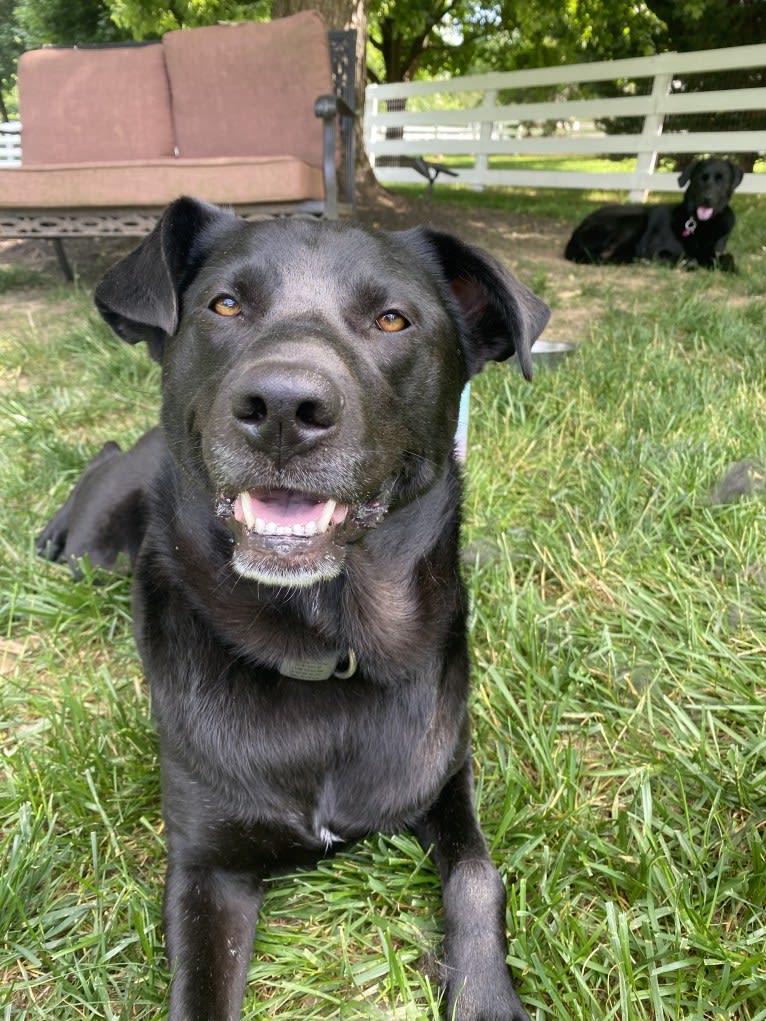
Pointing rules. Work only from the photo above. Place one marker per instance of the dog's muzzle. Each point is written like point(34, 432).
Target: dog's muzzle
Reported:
point(279, 423)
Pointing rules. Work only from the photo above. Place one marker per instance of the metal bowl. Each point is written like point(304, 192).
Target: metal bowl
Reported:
point(551, 352)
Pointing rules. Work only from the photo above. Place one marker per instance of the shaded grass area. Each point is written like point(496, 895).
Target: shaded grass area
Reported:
point(618, 638)
point(572, 205)
point(583, 164)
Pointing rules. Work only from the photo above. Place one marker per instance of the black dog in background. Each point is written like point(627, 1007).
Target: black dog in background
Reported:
point(297, 596)
point(693, 232)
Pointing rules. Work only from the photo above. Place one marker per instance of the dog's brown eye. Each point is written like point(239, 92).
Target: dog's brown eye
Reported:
point(392, 322)
point(225, 305)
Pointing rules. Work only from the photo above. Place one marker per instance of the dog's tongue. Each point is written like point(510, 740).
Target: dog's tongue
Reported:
point(287, 511)
point(704, 212)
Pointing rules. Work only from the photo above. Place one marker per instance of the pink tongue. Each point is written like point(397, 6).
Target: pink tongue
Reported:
point(286, 508)
point(704, 212)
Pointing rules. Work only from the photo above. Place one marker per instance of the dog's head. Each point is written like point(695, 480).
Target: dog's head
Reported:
point(711, 183)
point(312, 371)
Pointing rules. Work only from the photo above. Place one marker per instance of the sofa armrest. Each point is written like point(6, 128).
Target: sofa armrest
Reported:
point(331, 108)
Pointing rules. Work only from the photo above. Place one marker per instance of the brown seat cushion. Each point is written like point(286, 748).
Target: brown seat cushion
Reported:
point(92, 105)
point(157, 182)
point(249, 89)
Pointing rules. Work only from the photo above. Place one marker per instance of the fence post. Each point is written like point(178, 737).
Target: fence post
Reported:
point(481, 164)
point(371, 107)
point(646, 159)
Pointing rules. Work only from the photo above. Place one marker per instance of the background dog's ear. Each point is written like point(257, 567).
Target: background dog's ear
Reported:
point(140, 296)
point(686, 174)
point(737, 173)
point(501, 315)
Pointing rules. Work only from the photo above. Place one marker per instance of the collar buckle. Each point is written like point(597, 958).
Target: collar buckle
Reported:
point(320, 668)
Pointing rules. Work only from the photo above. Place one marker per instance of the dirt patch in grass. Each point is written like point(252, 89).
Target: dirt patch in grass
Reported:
point(89, 257)
point(531, 246)
point(510, 236)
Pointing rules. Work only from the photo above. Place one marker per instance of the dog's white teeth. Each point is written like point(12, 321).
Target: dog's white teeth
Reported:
point(302, 529)
point(324, 522)
point(248, 513)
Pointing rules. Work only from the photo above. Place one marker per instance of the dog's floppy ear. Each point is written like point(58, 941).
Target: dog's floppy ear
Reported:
point(501, 315)
point(737, 173)
point(140, 296)
point(686, 174)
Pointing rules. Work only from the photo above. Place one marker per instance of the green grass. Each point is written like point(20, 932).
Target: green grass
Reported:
point(582, 164)
point(619, 639)
point(572, 206)
point(559, 203)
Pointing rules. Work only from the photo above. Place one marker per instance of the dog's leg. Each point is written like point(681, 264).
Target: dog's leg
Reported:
point(210, 918)
point(51, 542)
point(479, 986)
point(724, 261)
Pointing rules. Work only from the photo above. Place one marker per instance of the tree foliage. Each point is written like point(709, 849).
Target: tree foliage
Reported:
point(708, 24)
point(60, 21)
point(414, 37)
point(11, 46)
point(411, 38)
point(458, 36)
point(405, 37)
point(149, 19)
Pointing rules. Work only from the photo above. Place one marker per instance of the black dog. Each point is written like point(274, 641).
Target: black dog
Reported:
point(298, 603)
point(693, 232)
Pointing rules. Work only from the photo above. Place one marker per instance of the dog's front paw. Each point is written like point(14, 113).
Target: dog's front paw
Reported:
point(51, 542)
point(725, 262)
point(492, 998)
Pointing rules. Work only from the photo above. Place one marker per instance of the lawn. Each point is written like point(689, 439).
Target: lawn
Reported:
point(618, 632)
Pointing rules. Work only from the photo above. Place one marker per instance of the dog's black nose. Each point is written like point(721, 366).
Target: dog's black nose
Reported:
point(284, 409)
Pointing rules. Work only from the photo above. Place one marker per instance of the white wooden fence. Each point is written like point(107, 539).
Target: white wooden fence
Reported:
point(10, 144)
point(462, 117)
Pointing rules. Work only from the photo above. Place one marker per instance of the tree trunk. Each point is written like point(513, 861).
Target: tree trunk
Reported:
point(336, 13)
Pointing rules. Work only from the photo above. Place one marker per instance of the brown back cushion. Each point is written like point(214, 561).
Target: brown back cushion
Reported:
point(94, 105)
point(249, 89)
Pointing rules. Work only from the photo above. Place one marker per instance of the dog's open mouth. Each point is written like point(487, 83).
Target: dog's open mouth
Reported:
point(286, 513)
point(704, 212)
point(287, 537)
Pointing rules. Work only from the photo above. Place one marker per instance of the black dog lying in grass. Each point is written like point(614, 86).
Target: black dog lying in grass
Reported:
point(297, 601)
point(693, 232)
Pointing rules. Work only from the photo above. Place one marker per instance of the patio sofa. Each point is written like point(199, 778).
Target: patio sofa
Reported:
point(244, 115)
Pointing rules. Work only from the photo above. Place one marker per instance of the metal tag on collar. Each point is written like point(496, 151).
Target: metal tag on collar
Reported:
point(689, 227)
point(319, 668)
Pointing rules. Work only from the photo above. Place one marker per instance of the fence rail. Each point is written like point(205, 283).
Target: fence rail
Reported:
point(10, 144)
point(478, 122)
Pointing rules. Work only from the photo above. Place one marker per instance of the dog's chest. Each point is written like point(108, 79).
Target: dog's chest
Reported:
point(327, 761)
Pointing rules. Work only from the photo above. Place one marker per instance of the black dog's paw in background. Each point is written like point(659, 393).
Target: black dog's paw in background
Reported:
point(691, 233)
point(104, 517)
